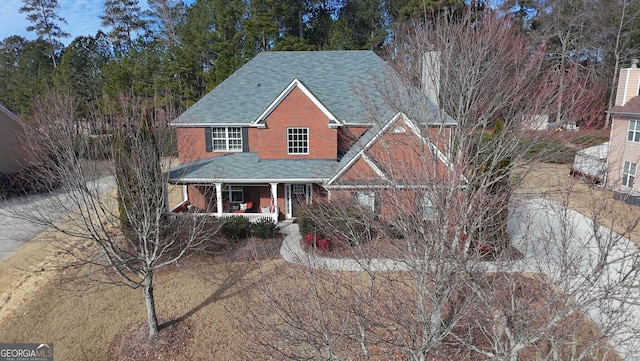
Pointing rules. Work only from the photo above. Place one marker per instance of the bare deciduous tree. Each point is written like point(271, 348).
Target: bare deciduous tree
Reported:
point(126, 233)
point(459, 262)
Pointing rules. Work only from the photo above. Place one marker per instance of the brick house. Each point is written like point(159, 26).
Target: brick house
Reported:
point(624, 141)
point(292, 127)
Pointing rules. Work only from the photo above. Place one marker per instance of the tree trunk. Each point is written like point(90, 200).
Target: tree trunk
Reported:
point(152, 319)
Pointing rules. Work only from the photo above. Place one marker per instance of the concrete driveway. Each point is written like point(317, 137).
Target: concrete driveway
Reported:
point(15, 229)
point(594, 265)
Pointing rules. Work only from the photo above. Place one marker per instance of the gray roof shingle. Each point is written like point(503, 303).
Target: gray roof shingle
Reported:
point(248, 168)
point(333, 77)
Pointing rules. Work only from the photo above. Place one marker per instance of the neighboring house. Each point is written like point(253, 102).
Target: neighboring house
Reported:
point(13, 155)
point(291, 127)
point(624, 142)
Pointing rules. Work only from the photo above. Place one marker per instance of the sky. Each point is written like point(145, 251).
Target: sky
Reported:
point(82, 18)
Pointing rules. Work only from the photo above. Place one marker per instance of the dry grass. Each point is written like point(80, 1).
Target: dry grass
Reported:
point(553, 181)
point(82, 322)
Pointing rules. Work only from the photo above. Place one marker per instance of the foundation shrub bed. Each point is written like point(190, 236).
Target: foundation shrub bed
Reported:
point(235, 228)
point(263, 229)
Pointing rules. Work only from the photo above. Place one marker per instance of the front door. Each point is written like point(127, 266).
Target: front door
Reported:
point(295, 195)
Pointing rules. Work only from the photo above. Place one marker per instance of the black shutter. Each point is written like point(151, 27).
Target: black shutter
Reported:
point(207, 139)
point(245, 139)
point(245, 194)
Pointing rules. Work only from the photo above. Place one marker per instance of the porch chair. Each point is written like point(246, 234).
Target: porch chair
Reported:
point(244, 207)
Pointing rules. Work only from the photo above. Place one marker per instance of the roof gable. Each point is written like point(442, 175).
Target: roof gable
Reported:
point(400, 123)
point(632, 107)
point(259, 122)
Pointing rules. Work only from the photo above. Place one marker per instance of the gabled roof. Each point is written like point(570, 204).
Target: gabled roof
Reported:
point(333, 121)
point(13, 155)
point(333, 77)
point(370, 137)
point(632, 107)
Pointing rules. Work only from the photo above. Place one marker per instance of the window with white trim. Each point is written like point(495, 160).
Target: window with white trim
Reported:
point(233, 194)
point(628, 174)
point(427, 208)
point(226, 139)
point(298, 140)
point(634, 131)
point(367, 200)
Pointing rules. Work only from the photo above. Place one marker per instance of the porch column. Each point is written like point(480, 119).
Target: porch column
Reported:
point(219, 198)
point(274, 194)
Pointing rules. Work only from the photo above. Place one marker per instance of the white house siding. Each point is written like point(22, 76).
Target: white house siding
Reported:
point(623, 151)
point(628, 85)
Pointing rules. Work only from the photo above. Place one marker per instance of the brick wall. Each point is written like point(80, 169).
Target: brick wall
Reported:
point(347, 136)
point(191, 145)
point(296, 110)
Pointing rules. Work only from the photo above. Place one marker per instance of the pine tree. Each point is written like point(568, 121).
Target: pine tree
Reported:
point(43, 15)
point(124, 18)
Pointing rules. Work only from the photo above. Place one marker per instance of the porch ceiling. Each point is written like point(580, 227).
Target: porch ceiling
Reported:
point(249, 168)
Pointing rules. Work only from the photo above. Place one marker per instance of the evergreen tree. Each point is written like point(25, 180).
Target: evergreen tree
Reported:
point(31, 75)
point(124, 18)
point(11, 50)
point(43, 15)
point(164, 17)
point(366, 22)
point(81, 71)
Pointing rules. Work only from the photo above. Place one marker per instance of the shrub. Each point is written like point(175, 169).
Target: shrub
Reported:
point(339, 221)
point(394, 232)
point(305, 222)
point(236, 228)
point(324, 244)
point(264, 229)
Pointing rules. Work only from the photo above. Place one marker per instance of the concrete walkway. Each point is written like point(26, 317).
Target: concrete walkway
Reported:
point(592, 264)
point(292, 251)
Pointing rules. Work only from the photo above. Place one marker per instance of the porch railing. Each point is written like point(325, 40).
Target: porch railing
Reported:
point(253, 217)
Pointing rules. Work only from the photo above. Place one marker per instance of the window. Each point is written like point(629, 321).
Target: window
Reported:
point(628, 174)
point(427, 208)
point(367, 200)
point(225, 139)
point(634, 131)
point(298, 140)
point(234, 194)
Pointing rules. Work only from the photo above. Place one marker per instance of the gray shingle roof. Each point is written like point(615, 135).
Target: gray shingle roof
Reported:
point(248, 168)
point(331, 76)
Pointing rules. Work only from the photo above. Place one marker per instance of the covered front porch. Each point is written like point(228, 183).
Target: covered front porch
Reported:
point(270, 201)
point(243, 184)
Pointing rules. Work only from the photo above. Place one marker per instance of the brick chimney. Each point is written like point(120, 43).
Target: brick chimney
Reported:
point(628, 84)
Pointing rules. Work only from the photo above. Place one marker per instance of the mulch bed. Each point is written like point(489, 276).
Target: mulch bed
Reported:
point(247, 250)
point(134, 344)
point(394, 249)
